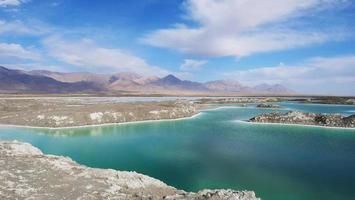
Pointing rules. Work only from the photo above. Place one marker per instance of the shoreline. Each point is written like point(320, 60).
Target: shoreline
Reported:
point(25, 163)
point(199, 111)
point(76, 114)
point(286, 124)
point(99, 125)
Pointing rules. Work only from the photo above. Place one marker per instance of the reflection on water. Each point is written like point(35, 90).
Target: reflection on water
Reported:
point(77, 132)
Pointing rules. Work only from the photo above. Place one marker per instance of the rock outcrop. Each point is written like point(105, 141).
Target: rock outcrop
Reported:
point(26, 173)
point(296, 117)
point(264, 105)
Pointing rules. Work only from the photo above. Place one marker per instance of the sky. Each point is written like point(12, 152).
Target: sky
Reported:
point(306, 45)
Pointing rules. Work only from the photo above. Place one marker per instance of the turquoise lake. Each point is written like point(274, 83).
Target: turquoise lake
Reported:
point(217, 150)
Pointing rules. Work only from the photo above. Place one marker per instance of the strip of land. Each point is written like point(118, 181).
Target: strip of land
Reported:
point(327, 100)
point(27, 173)
point(58, 113)
point(68, 112)
point(63, 112)
point(302, 118)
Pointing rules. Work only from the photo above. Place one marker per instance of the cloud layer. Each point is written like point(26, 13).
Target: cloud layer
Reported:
point(317, 75)
point(5, 3)
point(20, 28)
point(190, 64)
point(10, 50)
point(85, 53)
point(240, 28)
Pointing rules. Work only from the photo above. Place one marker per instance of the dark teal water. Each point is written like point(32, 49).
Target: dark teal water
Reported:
point(215, 150)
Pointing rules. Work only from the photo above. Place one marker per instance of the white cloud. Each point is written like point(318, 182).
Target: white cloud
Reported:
point(17, 51)
point(241, 28)
point(317, 75)
point(19, 27)
point(33, 66)
point(190, 64)
point(5, 3)
point(14, 27)
point(85, 53)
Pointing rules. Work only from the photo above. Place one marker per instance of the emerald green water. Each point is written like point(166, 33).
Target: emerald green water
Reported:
point(215, 150)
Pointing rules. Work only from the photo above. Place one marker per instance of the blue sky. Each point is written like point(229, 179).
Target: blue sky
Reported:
point(307, 45)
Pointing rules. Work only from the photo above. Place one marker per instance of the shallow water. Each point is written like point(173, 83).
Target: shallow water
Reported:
point(215, 150)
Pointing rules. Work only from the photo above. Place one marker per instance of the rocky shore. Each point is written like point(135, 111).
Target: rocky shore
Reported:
point(327, 100)
point(240, 100)
point(296, 117)
point(27, 173)
point(57, 113)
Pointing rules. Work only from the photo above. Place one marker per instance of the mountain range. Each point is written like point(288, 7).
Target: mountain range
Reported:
point(44, 81)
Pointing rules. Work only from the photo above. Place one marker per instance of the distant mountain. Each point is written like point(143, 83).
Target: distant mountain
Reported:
point(125, 81)
point(72, 77)
point(274, 89)
point(44, 81)
point(126, 76)
point(172, 82)
point(168, 80)
point(20, 81)
point(226, 85)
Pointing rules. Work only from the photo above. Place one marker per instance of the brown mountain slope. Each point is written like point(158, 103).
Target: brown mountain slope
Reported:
point(12, 81)
point(45, 81)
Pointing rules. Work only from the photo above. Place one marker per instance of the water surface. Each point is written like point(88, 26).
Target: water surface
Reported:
point(216, 150)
